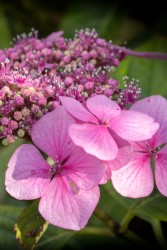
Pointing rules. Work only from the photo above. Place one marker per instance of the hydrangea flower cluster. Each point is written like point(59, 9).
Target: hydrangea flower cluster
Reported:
point(35, 72)
point(87, 147)
point(61, 93)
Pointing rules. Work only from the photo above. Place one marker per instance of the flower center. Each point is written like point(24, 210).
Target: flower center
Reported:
point(153, 153)
point(103, 121)
point(56, 166)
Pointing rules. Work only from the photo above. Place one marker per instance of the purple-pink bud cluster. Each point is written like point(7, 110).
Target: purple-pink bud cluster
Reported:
point(34, 72)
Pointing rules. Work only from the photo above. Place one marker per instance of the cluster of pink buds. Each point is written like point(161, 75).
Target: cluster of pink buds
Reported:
point(34, 72)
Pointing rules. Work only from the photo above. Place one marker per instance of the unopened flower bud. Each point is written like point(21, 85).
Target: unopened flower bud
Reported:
point(21, 132)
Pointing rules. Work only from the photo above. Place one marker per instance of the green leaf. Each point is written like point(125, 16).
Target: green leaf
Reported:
point(124, 202)
point(4, 31)
point(55, 238)
point(30, 226)
point(109, 204)
point(155, 206)
point(8, 215)
point(152, 73)
point(5, 154)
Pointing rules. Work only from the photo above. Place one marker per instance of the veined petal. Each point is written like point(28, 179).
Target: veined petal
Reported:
point(76, 109)
point(124, 153)
point(95, 140)
point(123, 157)
point(103, 108)
point(106, 175)
point(156, 107)
point(135, 180)
point(64, 205)
point(161, 171)
point(50, 134)
point(27, 176)
point(83, 169)
point(134, 126)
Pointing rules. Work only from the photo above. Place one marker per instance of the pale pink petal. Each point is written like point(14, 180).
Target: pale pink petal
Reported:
point(156, 107)
point(84, 169)
point(134, 180)
point(123, 157)
point(161, 171)
point(124, 153)
point(76, 109)
point(50, 134)
point(64, 205)
point(54, 36)
point(95, 140)
point(134, 126)
point(103, 108)
point(28, 174)
point(106, 175)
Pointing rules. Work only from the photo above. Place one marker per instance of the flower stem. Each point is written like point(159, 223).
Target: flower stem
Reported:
point(150, 55)
point(120, 230)
point(158, 232)
point(107, 220)
point(125, 222)
point(96, 230)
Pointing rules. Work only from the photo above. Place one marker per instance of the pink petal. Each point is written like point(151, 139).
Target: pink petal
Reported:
point(106, 175)
point(103, 108)
point(28, 174)
point(50, 134)
point(161, 171)
point(124, 153)
point(134, 126)
point(76, 109)
point(123, 157)
point(95, 140)
point(156, 107)
point(135, 180)
point(54, 36)
point(84, 169)
point(65, 206)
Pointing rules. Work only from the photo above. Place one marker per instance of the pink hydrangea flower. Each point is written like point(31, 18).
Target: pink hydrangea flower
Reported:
point(102, 117)
point(136, 179)
point(67, 188)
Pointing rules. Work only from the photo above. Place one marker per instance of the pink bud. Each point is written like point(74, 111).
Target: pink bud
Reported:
point(112, 82)
point(89, 85)
point(68, 81)
point(35, 109)
point(13, 124)
point(17, 115)
point(26, 92)
point(55, 104)
point(14, 56)
point(4, 121)
point(42, 101)
point(19, 101)
point(10, 139)
point(67, 59)
point(100, 42)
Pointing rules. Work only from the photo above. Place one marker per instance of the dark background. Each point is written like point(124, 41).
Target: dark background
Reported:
point(47, 16)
